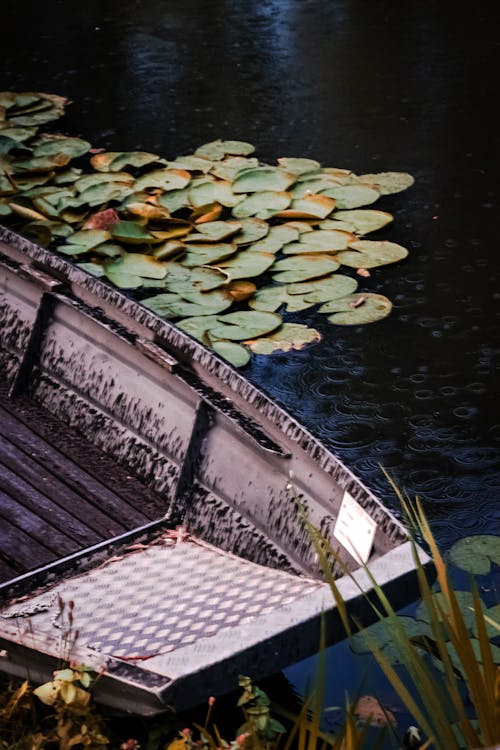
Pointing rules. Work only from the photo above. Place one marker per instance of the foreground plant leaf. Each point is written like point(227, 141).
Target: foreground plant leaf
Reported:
point(289, 336)
point(357, 309)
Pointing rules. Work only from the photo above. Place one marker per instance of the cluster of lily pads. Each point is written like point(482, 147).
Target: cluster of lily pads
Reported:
point(223, 240)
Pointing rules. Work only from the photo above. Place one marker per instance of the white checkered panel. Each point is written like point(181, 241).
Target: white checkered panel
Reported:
point(158, 599)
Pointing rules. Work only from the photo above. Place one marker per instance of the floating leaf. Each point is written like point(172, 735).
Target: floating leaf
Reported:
point(476, 553)
point(148, 211)
point(465, 602)
point(229, 168)
point(204, 214)
point(91, 180)
point(271, 298)
point(166, 179)
point(137, 264)
point(241, 290)
point(311, 206)
point(251, 231)
point(303, 267)
point(298, 166)
point(383, 633)
point(247, 324)
point(161, 304)
point(89, 238)
point(288, 336)
point(357, 309)
point(191, 163)
point(115, 161)
point(324, 289)
point(217, 150)
point(169, 249)
point(364, 221)
point(102, 219)
point(276, 238)
point(388, 182)
point(214, 192)
point(262, 178)
point(314, 185)
point(214, 231)
point(491, 621)
point(40, 163)
point(215, 299)
point(175, 199)
point(320, 241)
point(93, 268)
point(236, 354)
point(198, 326)
point(131, 232)
point(265, 202)
point(202, 254)
point(352, 196)
point(247, 264)
point(371, 253)
point(50, 144)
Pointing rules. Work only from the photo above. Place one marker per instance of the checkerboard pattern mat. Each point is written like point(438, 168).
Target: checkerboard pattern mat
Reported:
point(168, 596)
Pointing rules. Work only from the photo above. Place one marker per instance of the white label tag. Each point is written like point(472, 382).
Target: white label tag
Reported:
point(355, 529)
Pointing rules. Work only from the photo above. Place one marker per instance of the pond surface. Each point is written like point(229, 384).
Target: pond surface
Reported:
point(370, 86)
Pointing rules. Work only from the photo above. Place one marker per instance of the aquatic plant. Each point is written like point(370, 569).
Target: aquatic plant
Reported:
point(216, 241)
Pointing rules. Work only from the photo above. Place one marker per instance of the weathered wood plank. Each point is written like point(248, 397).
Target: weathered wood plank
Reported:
point(20, 550)
point(55, 462)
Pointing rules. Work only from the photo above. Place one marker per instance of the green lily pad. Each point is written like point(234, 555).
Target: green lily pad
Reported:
point(357, 309)
point(265, 202)
point(303, 267)
point(175, 199)
point(217, 150)
point(109, 250)
point(49, 145)
point(320, 241)
point(236, 354)
point(371, 253)
point(18, 134)
point(289, 336)
point(93, 268)
point(101, 178)
point(115, 161)
point(384, 635)
point(40, 163)
point(314, 185)
point(388, 182)
point(191, 163)
point(277, 237)
point(352, 196)
point(229, 168)
point(364, 221)
point(89, 238)
point(262, 178)
point(67, 176)
point(131, 233)
point(123, 280)
point(271, 298)
point(169, 249)
point(298, 166)
point(96, 195)
point(251, 231)
point(308, 207)
point(324, 289)
point(209, 191)
point(204, 254)
point(465, 602)
point(247, 264)
point(198, 326)
point(247, 324)
point(476, 553)
point(215, 299)
point(214, 231)
point(161, 304)
point(491, 621)
point(166, 179)
point(137, 264)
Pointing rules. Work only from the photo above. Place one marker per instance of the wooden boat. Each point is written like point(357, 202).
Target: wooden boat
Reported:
point(218, 455)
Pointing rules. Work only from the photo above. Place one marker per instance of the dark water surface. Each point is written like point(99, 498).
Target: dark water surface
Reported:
point(371, 86)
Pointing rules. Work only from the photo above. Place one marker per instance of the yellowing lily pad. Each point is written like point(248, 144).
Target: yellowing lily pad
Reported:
point(166, 179)
point(309, 207)
point(371, 253)
point(229, 168)
point(298, 166)
point(115, 161)
point(289, 336)
point(357, 309)
point(303, 267)
point(247, 324)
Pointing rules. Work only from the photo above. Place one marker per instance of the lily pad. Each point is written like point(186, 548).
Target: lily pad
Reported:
point(289, 336)
point(202, 254)
point(93, 268)
point(241, 289)
point(166, 179)
point(175, 199)
point(214, 231)
point(309, 207)
point(213, 191)
point(191, 163)
point(465, 602)
point(198, 326)
point(388, 182)
point(492, 622)
point(229, 168)
point(364, 221)
point(247, 264)
point(116, 161)
point(271, 298)
point(303, 267)
point(476, 553)
point(320, 241)
point(357, 309)
point(89, 238)
point(265, 202)
point(49, 145)
point(217, 150)
point(324, 289)
point(371, 253)
point(298, 166)
point(352, 196)
point(131, 233)
point(314, 185)
point(238, 326)
point(169, 249)
point(236, 354)
point(137, 264)
point(251, 231)
point(277, 237)
point(262, 178)
point(383, 634)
